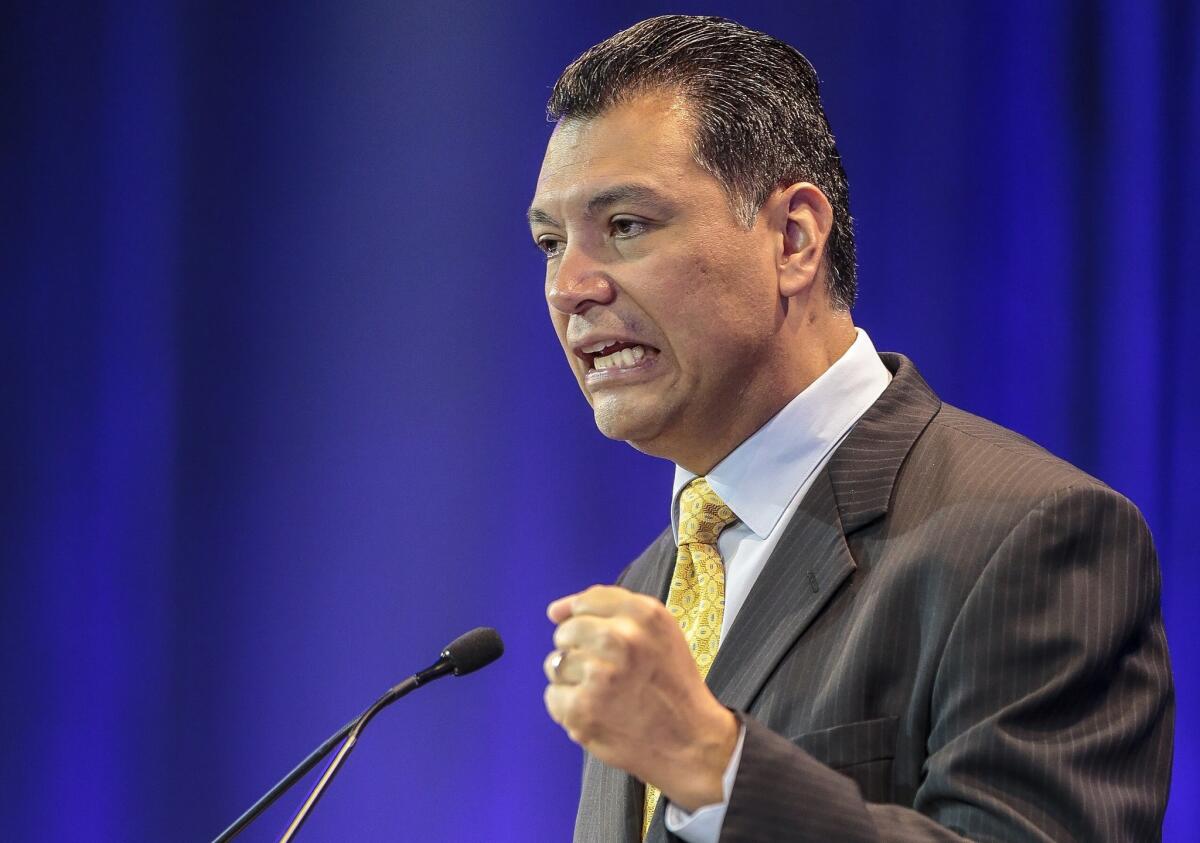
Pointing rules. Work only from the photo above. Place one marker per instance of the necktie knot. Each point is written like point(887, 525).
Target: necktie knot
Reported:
point(702, 513)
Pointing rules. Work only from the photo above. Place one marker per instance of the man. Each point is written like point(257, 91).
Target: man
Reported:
point(884, 619)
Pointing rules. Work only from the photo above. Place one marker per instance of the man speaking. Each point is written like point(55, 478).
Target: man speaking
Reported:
point(873, 616)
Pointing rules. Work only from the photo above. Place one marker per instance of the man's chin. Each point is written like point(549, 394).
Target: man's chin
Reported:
point(641, 430)
point(616, 420)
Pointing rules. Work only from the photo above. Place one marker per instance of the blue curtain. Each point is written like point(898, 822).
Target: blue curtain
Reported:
point(274, 345)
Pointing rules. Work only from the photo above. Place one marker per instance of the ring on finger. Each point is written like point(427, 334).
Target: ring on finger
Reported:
point(556, 662)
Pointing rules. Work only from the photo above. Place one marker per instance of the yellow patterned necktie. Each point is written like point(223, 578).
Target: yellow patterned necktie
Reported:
point(697, 595)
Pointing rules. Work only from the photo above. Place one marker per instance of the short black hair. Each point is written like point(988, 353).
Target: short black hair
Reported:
point(757, 108)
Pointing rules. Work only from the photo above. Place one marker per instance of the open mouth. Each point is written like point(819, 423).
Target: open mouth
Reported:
point(614, 354)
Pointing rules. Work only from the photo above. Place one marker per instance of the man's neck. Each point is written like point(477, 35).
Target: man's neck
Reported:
point(699, 456)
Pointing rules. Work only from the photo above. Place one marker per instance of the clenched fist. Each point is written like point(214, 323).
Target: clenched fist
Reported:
point(624, 686)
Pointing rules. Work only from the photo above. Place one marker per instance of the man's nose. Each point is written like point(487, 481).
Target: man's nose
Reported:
point(578, 283)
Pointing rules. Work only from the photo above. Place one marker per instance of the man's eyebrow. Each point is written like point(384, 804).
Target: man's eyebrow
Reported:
point(622, 193)
point(537, 215)
point(604, 199)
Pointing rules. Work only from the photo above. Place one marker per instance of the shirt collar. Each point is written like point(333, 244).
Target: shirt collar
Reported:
point(759, 478)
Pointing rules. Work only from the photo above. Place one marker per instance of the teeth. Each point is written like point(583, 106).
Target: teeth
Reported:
point(600, 346)
point(625, 358)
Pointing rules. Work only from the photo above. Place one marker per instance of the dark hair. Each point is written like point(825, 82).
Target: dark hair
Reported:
point(757, 108)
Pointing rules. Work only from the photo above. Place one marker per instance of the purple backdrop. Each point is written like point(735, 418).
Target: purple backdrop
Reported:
point(274, 338)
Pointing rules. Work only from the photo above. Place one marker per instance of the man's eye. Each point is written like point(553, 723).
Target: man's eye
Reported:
point(623, 227)
point(551, 246)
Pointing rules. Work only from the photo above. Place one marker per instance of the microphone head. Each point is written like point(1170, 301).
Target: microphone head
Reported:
point(473, 650)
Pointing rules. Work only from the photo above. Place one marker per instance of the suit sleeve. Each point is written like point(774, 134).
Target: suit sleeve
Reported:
point(1051, 710)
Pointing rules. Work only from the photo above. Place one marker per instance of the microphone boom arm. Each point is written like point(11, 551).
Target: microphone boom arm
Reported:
point(352, 729)
point(284, 784)
point(356, 728)
point(465, 654)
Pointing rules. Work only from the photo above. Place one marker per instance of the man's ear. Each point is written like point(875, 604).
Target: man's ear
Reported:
point(806, 227)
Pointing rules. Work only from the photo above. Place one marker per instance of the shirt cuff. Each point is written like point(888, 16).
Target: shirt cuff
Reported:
point(704, 825)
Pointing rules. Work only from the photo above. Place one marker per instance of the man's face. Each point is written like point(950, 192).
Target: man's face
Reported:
point(665, 305)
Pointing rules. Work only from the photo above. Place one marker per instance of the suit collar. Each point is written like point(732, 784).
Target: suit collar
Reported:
point(864, 469)
point(861, 472)
point(760, 478)
point(813, 558)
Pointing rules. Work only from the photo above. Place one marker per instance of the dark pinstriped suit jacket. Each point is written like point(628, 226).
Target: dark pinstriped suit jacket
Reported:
point(957, 636)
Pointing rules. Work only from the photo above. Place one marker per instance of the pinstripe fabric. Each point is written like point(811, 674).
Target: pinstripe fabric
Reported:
point(958, 636)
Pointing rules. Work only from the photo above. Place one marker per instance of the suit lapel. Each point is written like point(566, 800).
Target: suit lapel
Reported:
point(650, 573)
point(864, 469)
point(807, 566)
point(812, 558)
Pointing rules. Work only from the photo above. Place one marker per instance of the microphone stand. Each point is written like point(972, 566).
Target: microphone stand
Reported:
point(352, 729)
point(285, 783)
point(355, 730)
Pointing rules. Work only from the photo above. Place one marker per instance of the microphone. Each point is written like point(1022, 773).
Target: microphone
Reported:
point(469, 652)
point(465, 654)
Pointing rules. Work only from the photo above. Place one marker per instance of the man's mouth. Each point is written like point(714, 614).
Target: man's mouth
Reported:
point(609, 354)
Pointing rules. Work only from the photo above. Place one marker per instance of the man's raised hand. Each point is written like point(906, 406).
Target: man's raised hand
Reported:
point(624, 687)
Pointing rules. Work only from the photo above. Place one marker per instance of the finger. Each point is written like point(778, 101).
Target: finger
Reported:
point(557, 699)
point(563, 669)
point(590, 633)
point(562, 703)
point(560, 609)
point(607, 601)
